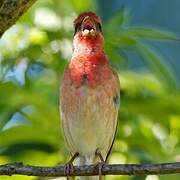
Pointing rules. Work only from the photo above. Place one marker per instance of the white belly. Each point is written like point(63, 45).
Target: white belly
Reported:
point(90, 124)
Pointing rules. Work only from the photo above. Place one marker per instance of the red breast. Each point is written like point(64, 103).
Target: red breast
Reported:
point(93, 70)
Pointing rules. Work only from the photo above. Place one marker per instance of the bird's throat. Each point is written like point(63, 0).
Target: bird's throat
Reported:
point(87, 44)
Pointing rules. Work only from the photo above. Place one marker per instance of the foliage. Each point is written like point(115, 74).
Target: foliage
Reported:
point(33, 55)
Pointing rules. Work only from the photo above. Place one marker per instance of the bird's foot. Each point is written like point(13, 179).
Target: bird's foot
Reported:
point(100, 164)
point(69, 168)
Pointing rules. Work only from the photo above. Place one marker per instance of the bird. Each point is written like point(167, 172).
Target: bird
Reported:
point(89, 96)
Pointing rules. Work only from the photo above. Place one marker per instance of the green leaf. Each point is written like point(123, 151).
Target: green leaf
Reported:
point(117, 20)
point(149, 33)
point(157, 66)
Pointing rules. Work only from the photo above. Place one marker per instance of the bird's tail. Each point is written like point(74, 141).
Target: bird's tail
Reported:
point(84, 161)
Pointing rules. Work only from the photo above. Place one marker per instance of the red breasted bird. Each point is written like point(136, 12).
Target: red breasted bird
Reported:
point(89, 95)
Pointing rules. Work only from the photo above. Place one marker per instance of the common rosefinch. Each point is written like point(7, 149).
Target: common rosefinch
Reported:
point(89, 95)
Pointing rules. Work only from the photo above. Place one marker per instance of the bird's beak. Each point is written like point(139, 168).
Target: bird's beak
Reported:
point(88, 27)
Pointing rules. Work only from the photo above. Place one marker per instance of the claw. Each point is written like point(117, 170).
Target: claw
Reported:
point(100, 165)
point(69, 168)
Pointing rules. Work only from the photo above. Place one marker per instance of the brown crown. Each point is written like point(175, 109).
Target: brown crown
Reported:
point(80, 18)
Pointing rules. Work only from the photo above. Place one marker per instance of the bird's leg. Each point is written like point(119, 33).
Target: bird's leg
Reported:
point(98, 153)
point(100, 164)
point(69, 168)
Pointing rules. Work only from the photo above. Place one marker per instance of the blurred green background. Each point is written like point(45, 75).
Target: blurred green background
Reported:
point(34, 53)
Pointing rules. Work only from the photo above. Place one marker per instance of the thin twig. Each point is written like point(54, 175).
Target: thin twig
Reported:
point(90, 170)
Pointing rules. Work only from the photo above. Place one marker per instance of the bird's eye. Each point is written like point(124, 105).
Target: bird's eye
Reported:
point(99, 27)
point(77, 28)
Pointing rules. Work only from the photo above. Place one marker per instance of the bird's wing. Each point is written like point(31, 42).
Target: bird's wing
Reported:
point(117, 99)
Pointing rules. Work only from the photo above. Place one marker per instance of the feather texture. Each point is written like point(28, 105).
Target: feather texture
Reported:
point(89, 101)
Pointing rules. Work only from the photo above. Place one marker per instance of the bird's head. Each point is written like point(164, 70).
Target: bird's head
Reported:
point(88, 23)
point(88, 29)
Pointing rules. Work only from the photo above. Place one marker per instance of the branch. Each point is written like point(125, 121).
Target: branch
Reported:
point(89, 170)
point(10, 11)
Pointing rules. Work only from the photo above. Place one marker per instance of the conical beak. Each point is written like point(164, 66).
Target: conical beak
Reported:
point(88, 27)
